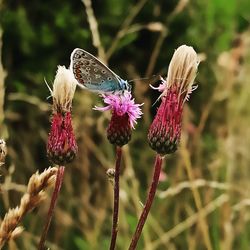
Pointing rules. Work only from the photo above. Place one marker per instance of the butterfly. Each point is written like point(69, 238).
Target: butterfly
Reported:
point(94, 75)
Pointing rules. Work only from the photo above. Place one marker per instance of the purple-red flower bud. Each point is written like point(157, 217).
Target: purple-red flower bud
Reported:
point(61, 147)
point(165, 131)
point(119, 130)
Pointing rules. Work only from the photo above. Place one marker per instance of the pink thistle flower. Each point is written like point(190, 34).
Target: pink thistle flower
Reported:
point(165, 130)
point(124, 115)
point(61, 146)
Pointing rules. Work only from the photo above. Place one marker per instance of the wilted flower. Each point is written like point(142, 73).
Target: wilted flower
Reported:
point(62, 147)
point(165, 131)
point(124, 115)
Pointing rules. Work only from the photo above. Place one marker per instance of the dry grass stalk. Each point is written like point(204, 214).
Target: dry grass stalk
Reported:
point(93, 25)
point(196, 195)
point(190, 221)
point(9, 228)
point(172, 191)
point(125, 26)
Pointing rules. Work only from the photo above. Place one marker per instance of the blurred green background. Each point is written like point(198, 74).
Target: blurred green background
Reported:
point(210, 171)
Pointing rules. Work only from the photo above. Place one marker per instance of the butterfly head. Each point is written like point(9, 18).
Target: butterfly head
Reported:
point(125, 85)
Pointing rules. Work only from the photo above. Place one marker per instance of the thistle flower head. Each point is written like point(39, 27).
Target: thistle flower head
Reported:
point(61, 146)
point(124, 115)
point(165, 130)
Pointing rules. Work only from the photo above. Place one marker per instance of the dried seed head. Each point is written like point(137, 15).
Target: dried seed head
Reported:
point(182, 71)
point(63, 89)
point(17, 231)
point(111, 175)
point(38, 182)
point(3, 151)
point(9, 228)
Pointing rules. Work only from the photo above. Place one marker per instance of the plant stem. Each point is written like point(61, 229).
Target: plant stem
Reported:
point(116, 198)
point(149, 201)
point(58, 184)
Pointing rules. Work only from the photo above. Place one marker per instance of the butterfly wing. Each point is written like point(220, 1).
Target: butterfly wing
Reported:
point(92, 74)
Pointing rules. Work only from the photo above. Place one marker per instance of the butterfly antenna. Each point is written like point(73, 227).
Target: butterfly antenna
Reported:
point(143, 78)
point(50, 90)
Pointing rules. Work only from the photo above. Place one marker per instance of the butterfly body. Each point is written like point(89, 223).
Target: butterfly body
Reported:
point(94, 75)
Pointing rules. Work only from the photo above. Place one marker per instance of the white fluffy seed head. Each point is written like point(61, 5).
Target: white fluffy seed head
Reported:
point(182, 70)
point(63, 89)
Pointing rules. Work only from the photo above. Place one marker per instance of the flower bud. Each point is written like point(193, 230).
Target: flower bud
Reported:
point(165, 131)
point(119, 130)
point(61, 147)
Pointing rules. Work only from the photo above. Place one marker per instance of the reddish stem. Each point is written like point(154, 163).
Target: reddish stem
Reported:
point(149, 201)
point(58, 184)
point(116, 198)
